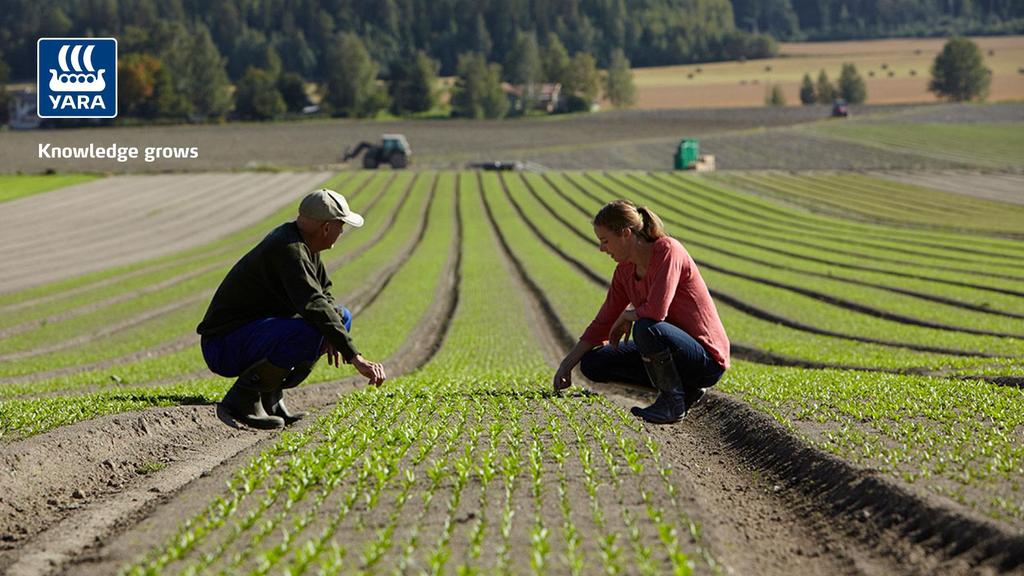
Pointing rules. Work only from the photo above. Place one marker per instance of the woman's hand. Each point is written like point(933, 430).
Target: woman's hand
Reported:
point(563, 378)
point(621, 327)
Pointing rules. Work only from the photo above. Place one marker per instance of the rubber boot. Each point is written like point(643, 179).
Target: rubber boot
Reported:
point(273, 401)
point(243, 402)
point(670, 406)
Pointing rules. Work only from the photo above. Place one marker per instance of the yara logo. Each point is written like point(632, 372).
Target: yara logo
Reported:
point(77, 77)
point(84, 79)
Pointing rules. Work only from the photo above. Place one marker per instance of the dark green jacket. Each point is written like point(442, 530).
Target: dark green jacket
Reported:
point(279, 278)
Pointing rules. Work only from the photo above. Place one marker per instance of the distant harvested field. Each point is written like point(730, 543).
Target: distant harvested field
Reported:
point(900, 68)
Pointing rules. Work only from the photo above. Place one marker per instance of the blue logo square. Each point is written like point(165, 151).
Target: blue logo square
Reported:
point(77, 77)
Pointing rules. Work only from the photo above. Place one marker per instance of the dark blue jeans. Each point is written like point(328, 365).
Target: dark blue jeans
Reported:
point(285, 342)
point(695, 366)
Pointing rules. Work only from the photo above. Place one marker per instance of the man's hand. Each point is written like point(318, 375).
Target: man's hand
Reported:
point(333, 357)
point(372, 370)
point(620, 329)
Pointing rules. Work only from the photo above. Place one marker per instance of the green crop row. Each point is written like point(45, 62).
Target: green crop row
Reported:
point(436, 468)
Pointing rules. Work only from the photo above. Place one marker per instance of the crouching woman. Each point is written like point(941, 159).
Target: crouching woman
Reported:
point(679, 345)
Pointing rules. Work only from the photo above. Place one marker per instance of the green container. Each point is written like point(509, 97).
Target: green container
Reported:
point(687, 154)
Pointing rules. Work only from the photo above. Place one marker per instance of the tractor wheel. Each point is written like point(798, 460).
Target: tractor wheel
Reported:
point(399, 160)
point(370, 160)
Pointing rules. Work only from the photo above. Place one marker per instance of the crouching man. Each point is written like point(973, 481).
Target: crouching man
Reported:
point(273, 316)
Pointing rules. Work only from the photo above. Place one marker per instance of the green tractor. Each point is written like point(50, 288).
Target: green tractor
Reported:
point(394, 149)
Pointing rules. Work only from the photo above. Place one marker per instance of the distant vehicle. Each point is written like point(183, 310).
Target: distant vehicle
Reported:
point(688, 157)
point(497, 165)
point(840, 109)
point(394, 149)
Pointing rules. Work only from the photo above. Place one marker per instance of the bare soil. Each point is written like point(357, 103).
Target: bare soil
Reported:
point(114, 221)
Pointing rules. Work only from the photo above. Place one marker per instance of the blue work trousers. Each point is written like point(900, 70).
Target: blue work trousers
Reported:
point(696, 367)
point(285, 342)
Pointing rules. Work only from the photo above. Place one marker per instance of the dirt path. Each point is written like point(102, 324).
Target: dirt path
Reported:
point(114, 221)
point(769, 504)
point(152, 465)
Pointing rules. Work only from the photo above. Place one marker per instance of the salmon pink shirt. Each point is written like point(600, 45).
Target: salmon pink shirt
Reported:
point(673, 291)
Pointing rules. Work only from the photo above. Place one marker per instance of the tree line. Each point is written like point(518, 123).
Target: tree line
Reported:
point(298, 34)
point(855, 19)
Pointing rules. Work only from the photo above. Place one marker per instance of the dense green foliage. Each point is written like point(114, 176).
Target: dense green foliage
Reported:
point(618, 86)
point(299, 33)
point(959, 72)
point(775, 96)
point(352, 79)
point(412, 84)
point(837, 19)
point(851, 85)
point(807, 95)
point(257, 96)
point(477, 92)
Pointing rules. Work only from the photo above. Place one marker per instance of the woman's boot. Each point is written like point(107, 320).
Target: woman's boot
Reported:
point(670, 405)
point(243, 401)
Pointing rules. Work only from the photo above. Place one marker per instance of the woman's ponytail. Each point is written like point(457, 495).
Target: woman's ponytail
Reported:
point(652, 226)
point(622, 214)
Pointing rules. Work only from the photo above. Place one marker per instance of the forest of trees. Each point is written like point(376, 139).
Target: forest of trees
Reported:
point(296, 34)
point(201, 58)
point(847, 19)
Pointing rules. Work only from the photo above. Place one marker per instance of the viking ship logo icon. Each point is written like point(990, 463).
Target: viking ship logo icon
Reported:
point(81, 76)
point(76, 78)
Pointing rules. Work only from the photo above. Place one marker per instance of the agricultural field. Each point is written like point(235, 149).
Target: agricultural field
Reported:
point(872, 417)
point(895, 71)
